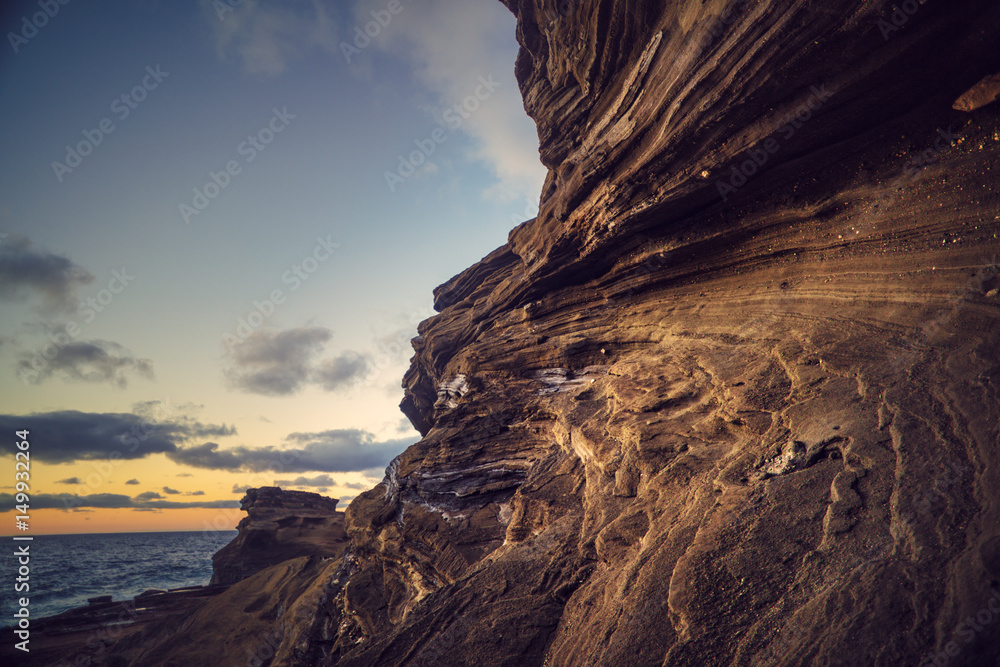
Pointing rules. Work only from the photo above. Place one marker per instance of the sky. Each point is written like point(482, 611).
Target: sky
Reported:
point(220, 224)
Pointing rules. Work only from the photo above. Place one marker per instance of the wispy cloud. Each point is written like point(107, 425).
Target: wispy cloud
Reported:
point(342, 450)
point(342, 371)
point(450, 44)
point(95, 361)
point(69, 435)
point(275, 363)
point(281, 363)
point(26, 271)
point(318, 480)
point(264, 36)
point(144, 501)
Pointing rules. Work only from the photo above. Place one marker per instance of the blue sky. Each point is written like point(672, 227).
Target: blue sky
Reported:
point(188, 89)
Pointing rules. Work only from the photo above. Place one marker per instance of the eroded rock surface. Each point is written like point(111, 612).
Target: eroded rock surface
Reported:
point(732, 397)
point(279, 525)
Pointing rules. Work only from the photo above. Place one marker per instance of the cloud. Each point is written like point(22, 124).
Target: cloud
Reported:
point(264, 35)
point(182, 417)
point(169, 491)
point(25, 271)
point(241, 488)
point(69, 435)
point(319, 480)
point(148, 495)
point(450, 44)
point(281, 363)
point(132, 481)
point(343, 450)
point(69, 480)
point(274, 363)
point(341, 372)
point(184, 474)
point(96, 361)
point(195, 493)
point(67, 501)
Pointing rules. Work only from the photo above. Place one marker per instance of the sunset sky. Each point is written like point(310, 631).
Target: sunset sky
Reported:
point(220, 223)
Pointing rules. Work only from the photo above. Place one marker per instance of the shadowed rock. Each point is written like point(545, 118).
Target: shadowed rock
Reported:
point(985, 92)
point(279, 525)
point(732, 397)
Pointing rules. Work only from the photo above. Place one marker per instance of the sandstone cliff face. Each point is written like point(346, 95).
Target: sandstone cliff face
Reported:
point(732, 397)
point(279, 525)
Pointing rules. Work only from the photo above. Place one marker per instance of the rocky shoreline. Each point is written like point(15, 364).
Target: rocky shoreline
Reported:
point(280, 526)
point(731, 399)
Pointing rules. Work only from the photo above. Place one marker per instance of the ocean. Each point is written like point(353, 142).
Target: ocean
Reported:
point(68, 569)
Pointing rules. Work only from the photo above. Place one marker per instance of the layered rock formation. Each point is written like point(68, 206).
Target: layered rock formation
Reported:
point(732, 397)
point(279, 525)
point(82, 637)
point(286, 540)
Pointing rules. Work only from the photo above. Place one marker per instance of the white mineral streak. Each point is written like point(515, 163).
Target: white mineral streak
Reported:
point(449, 391)
point(562, 380)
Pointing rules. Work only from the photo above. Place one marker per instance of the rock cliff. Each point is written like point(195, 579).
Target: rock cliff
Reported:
point(732, 397)
point(279, 525)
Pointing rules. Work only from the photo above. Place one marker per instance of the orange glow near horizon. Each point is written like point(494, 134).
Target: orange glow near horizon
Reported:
point(65, 522)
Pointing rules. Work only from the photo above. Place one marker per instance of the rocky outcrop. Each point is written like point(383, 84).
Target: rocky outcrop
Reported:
point(82, 637)
point(285, 543)
point(241, 627)
point(280, 525)
point(733, 397)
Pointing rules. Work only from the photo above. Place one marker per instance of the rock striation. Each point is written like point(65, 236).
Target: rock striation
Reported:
point(733, 396)
point(280, 525)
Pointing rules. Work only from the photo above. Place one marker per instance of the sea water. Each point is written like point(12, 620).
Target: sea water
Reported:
point(68, 569)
